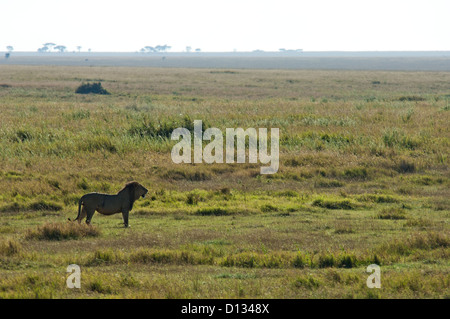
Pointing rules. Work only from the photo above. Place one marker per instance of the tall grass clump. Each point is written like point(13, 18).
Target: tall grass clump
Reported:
point(62, 231)
point(334, 204)
point(44, 205)
point(97, 143)
point(395, 138)
point(392, 213)
point(10, 247)
point(301, 260)
point(162, 128)
point(416, 241)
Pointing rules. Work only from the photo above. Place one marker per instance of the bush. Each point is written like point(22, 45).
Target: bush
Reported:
point(91, 88)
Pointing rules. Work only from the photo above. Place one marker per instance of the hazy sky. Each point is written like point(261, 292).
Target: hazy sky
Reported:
point(227, 25)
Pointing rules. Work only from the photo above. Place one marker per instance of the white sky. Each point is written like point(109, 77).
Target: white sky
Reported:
point(226, 25)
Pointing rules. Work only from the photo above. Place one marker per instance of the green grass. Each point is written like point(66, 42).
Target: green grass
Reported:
point(363, 179)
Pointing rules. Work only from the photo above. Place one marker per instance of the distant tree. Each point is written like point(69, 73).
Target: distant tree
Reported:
point(43, 49)
point(60, 48)
point(162, 48)
point(10, 48)
point(198, 50)
point(49, 45)
point(79, 48)
point(158, 48)
point(149, 49)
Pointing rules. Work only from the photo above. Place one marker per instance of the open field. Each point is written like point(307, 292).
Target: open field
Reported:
point(363, 179)
point(439, 61)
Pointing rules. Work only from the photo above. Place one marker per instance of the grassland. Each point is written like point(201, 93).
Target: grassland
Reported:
point(363, 179)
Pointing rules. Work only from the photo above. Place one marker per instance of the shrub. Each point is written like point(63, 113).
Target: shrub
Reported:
point(91, 88)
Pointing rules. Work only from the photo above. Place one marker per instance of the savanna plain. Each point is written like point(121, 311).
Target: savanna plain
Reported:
point(363, 179)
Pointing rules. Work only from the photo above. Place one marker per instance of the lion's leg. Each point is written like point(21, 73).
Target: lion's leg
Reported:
point(82, 215)
point(125, 218)
point(89, 213)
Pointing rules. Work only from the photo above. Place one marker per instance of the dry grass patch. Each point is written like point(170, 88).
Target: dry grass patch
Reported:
point(62, 231)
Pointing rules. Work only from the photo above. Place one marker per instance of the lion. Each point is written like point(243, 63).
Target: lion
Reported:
point(106, 204)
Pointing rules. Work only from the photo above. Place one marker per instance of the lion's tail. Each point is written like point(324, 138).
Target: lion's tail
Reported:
point(80, 202)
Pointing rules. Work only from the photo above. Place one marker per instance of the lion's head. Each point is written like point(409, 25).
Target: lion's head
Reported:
point(136, 190)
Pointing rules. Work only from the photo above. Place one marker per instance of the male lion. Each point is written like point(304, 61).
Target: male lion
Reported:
point(110, 204)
